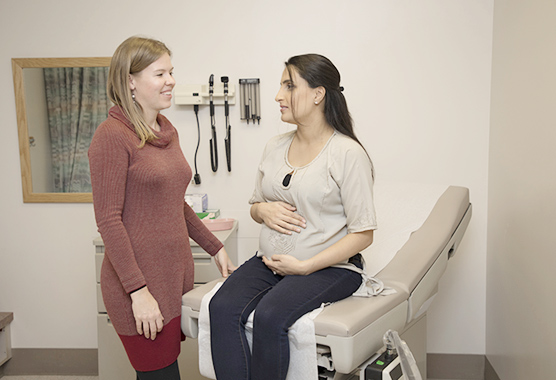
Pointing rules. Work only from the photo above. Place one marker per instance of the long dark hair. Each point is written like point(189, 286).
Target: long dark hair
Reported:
point(318, 71)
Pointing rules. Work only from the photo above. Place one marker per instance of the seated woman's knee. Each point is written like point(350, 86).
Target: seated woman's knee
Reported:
point(220, 304)
point(269, 316)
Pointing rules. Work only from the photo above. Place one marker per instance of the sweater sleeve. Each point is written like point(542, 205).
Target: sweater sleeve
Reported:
point(200, 233)
point(109, 156)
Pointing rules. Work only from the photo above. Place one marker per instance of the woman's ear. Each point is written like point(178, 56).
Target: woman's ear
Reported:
point(131, 83)
point(320, 92)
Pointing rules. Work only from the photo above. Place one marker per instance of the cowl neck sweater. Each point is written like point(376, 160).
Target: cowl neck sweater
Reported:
point(166, 134)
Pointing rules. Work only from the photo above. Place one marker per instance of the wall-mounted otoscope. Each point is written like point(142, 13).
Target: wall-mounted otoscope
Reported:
point(213, 144)
point(228, 139)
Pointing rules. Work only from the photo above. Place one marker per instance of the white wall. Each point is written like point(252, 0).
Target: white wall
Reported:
point(521, 337)
point(416, 76)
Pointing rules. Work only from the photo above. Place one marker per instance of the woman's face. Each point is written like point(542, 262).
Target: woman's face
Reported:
point(153, 86)
point(303, 103)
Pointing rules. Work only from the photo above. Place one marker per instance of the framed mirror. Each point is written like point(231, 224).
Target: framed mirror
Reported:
point(59, 103)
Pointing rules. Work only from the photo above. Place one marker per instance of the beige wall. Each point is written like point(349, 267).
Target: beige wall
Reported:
point(521, 305)
point(416, 76)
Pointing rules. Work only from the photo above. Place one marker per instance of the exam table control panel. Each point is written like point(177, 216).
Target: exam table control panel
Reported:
point(112, 358)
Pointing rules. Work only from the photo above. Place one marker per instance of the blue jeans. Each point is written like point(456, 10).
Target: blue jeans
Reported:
point(280, 301)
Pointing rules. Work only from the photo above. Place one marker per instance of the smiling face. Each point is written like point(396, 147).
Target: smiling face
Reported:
point(299, 108)
point(153, 86)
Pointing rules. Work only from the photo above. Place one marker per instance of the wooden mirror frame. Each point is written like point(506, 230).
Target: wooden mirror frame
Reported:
point(18, 64)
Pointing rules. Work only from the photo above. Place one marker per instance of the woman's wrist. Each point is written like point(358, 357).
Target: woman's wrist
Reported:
point(255, 213)
point(138, 289)
point(306, 267)
point(139, 293)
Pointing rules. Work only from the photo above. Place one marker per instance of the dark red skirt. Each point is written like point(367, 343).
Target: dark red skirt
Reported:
point(150, 355)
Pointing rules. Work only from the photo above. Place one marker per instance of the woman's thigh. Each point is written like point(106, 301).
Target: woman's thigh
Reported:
point(295, 296)
point(244, 288)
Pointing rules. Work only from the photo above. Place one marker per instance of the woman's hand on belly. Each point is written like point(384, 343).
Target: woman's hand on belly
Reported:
point(285, 265)
point(148, 318)
point(279, 216)
point(338, 252)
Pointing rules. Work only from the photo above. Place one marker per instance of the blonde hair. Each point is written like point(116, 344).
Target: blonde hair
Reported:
point(132, 56)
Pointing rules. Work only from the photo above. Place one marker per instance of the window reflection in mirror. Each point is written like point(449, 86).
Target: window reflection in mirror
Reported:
point(64, 107)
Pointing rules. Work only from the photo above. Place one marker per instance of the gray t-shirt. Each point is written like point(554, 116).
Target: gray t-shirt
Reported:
point(334, 193)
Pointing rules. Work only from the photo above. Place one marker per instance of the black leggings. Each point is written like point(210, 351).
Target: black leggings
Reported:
point(171, 372)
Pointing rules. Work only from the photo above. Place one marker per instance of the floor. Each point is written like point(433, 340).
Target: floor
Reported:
point(50, 378)
point(77, 378)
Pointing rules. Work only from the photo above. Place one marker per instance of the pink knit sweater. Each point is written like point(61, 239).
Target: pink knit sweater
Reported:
point(145, 224)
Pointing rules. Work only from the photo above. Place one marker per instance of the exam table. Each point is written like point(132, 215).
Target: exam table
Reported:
point(349, 332)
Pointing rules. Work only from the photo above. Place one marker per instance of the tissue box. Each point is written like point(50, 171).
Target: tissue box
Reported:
point(209, 214)
point(198, 202)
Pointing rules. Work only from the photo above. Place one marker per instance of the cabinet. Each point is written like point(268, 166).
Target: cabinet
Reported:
point(112, 359)
point(5, 338)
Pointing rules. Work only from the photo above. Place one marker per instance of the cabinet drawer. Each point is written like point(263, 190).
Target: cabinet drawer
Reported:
point(205, 268)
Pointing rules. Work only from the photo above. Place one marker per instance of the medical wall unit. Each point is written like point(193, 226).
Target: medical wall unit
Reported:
point(113, 362)
point(212, 94)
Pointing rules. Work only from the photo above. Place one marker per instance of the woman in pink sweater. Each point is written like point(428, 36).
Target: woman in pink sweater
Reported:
point(139, 177)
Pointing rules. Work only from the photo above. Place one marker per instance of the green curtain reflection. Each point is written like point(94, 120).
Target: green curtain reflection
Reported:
point(77, 103)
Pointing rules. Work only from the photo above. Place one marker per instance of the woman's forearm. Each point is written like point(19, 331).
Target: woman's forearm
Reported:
point(346, 247)
point(254, 213)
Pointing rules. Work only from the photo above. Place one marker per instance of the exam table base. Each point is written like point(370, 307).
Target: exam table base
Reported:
point(415, 335)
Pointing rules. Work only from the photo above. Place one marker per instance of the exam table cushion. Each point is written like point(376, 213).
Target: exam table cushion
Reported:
point(403, 273)
point(349, 316)
point(418, 254)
